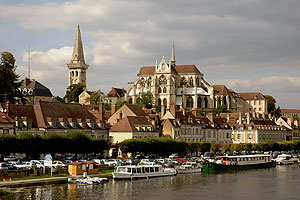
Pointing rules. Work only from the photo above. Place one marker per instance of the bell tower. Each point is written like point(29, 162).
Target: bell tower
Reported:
point(77, 66)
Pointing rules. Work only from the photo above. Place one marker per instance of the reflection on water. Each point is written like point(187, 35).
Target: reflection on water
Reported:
point(281, 182)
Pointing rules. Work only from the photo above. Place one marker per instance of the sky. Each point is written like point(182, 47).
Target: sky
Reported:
point(249, 45)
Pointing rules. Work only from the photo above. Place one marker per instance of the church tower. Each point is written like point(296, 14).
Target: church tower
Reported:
point(77, 66)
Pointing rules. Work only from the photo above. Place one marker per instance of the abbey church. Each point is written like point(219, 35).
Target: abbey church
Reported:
point(174, 87)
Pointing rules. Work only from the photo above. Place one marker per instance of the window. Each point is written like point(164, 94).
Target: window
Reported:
point(215, 134)
point(5, 131)
point(162, 80)
point(191, 82)
point(165, 90)
point(182, 81)
point(159, 90)
point(197, 81)
point(208, 134)
point(190, 102)
point(238, 136)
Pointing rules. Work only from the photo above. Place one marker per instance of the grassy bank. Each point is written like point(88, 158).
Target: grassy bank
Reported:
point(36, 177)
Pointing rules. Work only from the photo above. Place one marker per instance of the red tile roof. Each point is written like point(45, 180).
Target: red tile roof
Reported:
point(129, 123)
point(4, 118)
point(221, 90)
point(252, 95)
point(290, 111)
point(180, 69)
point(136, 110)
point(116, 92)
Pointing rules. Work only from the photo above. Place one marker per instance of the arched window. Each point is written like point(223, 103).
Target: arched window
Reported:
point(130, 101)
point(165, 102)
point(198, 82)
point(229, 102)
point(219, 101)
point(190, 102)
point(162, 80)
point(165, 90)
point(224, 101)
point(191, 82)
point(149, 81)
point(205, 102)
point(72, 73)
point(182, 81)
point(76, 73)
point(159, 102)
point(199, 102)
point(142, 82)
point(159, 90)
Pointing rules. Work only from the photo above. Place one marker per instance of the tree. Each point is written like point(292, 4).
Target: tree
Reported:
point(107, 106)
point(145, 100)
point(58, 98)
point(96, 98)
point(73, 92)
point(271, 104)
point(9, 83)
point(120, 103)
point(220, 109)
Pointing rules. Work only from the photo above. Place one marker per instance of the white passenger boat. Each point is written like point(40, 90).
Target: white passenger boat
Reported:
point(141, 171)
point(189, 167)
point(241, 162)
point(284, 159)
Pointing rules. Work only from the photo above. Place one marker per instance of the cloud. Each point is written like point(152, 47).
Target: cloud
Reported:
point(49, 68)
point(233, 40)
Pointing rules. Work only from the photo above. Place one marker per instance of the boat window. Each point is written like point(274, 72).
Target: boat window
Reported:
point(151, 169)
point(147, 169)
point(138, 170)
point(129, 170)
point(121, 169)
point(156, 169)
point(134, 170)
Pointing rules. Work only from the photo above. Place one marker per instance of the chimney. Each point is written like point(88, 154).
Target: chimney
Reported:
point(8, 108)
point(296, 123)
point(113, 109)
point(66, 100)
point(26, 81)
point(248, 117)
point(120, 115)
point(101, 113)
point(210, 117)
point(240, 118)
point(289, 121)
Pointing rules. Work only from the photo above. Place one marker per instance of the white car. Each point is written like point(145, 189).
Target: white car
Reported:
point(23, 165)
point(147, 162)
point(110, 162)
point(36, 163)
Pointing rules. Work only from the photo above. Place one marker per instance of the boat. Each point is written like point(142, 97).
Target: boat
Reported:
point(189, 167)
point(284, 159)
point(141, 171)
point(240, 162)
point(90, 181)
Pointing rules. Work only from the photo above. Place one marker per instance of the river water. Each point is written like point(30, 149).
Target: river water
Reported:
point(280, 182)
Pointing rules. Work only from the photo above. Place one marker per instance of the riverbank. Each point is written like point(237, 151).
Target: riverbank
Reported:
point(46, 181)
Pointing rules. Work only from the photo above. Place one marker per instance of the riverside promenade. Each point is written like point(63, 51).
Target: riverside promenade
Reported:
point(45, 181)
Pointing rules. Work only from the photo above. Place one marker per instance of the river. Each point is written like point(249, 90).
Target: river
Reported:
point(280, 182)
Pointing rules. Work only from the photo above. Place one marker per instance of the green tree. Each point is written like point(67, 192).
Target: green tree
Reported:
point(220, 109)
point(107, 106)
point(73, 92)
point(271, 104)
point(120, 103)
point(58, 98)
point(95, 98)
point(145, 100)
point(9, 83)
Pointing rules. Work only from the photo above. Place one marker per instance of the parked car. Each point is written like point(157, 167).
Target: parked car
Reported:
point(36, 163)
point(23, 165)
point(110, 162)
point(3, 166)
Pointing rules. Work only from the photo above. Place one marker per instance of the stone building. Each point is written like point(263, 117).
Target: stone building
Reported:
point(77, 66)
point(7, 124)
point(56, 117)
point(254, 102)
point(34, 91)
point(115, 95)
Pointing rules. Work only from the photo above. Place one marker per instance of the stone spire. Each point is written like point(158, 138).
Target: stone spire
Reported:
point(77, 66)
point(173, 55)
point(78, 56)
